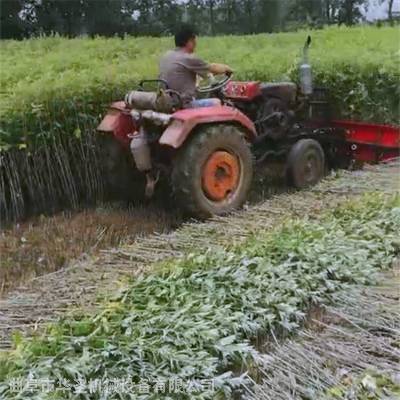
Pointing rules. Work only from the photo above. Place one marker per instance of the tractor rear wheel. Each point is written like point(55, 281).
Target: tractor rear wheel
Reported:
point(305, 163)
point(212, 173)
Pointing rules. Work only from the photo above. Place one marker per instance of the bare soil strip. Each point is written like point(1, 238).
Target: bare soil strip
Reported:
point(83, 284)
point(45, 244)
point(349, 351)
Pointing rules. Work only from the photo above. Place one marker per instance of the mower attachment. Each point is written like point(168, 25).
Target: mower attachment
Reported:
point(370, 142)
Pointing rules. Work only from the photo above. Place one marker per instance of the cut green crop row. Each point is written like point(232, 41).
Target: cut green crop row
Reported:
point(197, 317)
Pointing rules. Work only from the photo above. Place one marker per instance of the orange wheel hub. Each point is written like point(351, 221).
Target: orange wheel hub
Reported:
point(220, 175)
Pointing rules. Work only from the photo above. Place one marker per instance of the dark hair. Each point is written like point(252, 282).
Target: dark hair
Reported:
point(184, 34)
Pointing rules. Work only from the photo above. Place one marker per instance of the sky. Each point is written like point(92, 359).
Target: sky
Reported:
point(379, 11)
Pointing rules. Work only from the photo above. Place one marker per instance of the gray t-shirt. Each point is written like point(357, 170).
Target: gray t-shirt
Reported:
point(179, 70)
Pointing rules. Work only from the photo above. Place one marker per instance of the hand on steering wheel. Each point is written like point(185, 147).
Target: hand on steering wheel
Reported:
point(214, 84)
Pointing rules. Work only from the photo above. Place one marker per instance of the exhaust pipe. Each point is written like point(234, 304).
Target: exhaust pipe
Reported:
point(306, 85)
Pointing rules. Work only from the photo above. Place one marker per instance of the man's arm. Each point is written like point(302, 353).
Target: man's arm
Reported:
point(218, 69)
point(201, 68)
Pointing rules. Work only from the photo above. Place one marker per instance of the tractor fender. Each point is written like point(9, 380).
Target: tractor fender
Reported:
point(184, 121)
point(119, 123)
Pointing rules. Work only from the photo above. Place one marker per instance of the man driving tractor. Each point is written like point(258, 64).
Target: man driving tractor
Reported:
point(207, 149)
point(180, 68)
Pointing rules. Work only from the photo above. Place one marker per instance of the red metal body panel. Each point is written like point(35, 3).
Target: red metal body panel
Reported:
point(245, 91)
point(376, 134)
point(185, 120)
point(371, 142)
point(119, 122)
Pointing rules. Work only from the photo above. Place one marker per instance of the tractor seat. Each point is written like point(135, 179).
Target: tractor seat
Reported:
point(199, 103)
point(284, 90)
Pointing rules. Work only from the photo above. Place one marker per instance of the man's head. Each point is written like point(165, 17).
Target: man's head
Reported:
point(185, 38)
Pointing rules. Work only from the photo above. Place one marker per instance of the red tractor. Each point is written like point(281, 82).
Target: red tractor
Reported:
point(208, 152)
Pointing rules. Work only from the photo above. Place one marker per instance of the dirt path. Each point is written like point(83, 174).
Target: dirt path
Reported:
point(83, 284)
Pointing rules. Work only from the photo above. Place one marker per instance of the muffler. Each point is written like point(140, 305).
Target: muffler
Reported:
point(141, 153)
point(159, 101)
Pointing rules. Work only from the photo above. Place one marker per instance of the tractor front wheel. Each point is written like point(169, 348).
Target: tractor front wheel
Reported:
point(213, 171)
point(305, 163)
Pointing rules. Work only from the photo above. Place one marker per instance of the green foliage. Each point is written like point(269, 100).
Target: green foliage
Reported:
point(11, 25)
point(370, 385)
point(196, 317)
point(56, 86)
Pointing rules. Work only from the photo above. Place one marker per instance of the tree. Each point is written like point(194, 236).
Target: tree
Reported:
point(390, 10)
point(331, 8)
point(11, 25)
point(161, 17)
point(75, 17)
point(268, 15)
point(65, 17)
point(349, 11)
point(165, 16)
point(309, 12)
point(106, 18)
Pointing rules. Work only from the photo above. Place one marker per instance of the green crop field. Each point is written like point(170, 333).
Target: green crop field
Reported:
point(53, 80)
point(54, 91)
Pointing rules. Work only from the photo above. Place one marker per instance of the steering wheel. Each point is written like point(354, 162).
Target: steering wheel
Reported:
point(215, 84)
point(160, 84)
